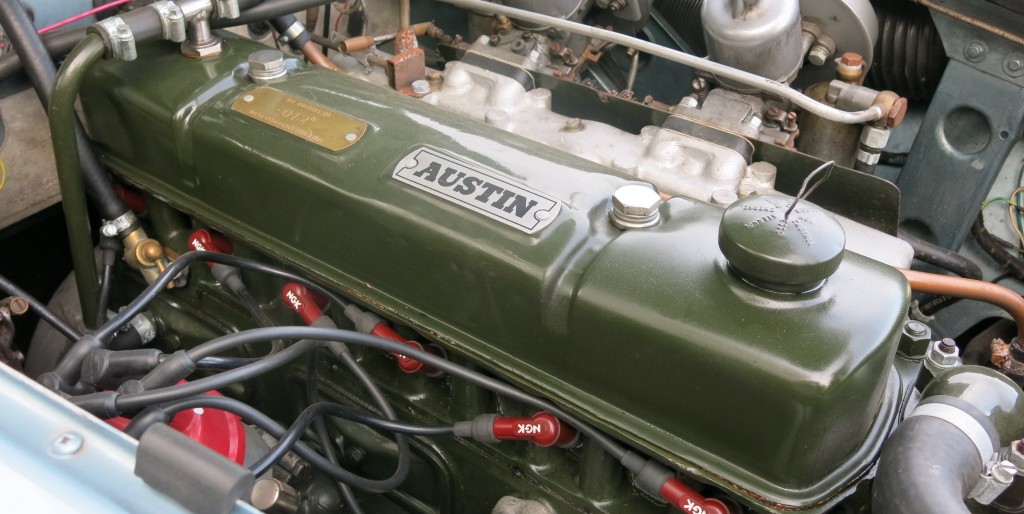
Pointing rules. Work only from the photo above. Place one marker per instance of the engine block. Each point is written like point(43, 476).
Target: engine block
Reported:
point(501, 250)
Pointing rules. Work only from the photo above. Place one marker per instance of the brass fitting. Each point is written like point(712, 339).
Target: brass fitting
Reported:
point(850, 68)
point(145, 254)
point(894, 106)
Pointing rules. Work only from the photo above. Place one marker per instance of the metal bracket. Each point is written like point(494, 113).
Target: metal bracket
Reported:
point(172, 20)
point(119, 38)
point(226, 9)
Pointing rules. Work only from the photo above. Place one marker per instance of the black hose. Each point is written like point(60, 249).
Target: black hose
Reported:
point(991, 245)
point(58, 43)
point(942, 257)
point(945, 259)
point(267, 10)
point(43, 74)
point(926, 466)
point(41, 310)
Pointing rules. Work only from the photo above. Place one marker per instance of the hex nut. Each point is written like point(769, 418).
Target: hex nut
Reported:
point(915, 340)
point(689, 101)
point(635, 206)
point(936, 360)
point(874, 137)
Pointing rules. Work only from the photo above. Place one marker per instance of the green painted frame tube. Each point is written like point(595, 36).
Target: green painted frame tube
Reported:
point(69, 171)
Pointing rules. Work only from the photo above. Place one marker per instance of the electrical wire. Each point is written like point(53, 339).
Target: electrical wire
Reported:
point(320, 427)
point(86, 14)
point(104, 332)
point(41, 310)
point(291, 436)
point(313, 336)
point(3, 174)
point(254, 416)
point(1014, 214)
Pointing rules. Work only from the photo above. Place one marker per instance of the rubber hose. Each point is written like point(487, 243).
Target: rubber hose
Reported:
point(267, 10)
point(57, 43)
point(43, 74)
point(909, 55)
point(926, 466)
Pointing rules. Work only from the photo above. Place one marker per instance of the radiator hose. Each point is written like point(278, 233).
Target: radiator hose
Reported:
point(933, 460)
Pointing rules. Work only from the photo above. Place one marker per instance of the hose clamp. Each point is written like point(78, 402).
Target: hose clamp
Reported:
point(172, 20)
point(963, 422)
point(119, 225)
point(118, 37)
point(995, 478)
point(293, 32)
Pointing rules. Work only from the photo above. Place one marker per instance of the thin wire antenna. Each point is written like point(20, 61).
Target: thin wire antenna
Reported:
point(805, 191)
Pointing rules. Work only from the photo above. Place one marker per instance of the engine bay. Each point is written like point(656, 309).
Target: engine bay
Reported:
point(517, 257)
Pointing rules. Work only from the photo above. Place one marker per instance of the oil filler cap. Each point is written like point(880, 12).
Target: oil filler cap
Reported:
point(767, 250)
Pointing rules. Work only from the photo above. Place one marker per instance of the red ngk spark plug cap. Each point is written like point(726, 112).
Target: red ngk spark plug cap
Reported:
point(203, 240)
point(542, 429)
point(308, 304)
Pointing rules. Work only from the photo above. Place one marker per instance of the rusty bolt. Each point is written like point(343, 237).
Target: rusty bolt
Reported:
point(897, 111)
point(573, 125)
point(852, 59)
point(18, 305)
point(947, 346)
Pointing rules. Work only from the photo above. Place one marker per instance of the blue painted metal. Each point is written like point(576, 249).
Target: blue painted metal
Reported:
point(98, 477)
point(973, 122)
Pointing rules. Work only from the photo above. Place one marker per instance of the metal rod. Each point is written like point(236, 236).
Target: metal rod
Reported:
point(720, 70)
point(69, 170)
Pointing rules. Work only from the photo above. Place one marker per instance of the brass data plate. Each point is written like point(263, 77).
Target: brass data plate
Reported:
point(310, 121)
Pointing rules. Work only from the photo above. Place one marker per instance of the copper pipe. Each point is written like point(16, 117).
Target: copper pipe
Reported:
point(315, 56)
point(404, 16)
point(986, 292)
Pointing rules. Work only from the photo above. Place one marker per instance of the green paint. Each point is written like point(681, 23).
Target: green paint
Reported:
point(644, 333)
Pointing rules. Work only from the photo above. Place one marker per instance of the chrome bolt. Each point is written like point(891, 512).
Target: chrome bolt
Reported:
point(818, 55)
point(266, 66)
point(916, 328)
point(66, 444)
point(635, 206)
point(420, 87)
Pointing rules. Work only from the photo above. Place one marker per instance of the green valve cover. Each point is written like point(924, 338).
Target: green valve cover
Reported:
point(500, 249)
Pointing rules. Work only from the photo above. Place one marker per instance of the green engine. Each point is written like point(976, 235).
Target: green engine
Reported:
point(753, 351)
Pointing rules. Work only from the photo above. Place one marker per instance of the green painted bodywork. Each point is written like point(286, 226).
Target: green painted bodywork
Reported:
point(783, 399)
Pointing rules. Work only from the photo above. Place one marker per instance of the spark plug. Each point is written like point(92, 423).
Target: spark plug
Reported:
point(301, 300)
point(542, 429)
point(657, 480)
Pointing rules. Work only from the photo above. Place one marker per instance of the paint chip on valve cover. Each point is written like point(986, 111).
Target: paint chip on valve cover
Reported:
point(477, 188)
